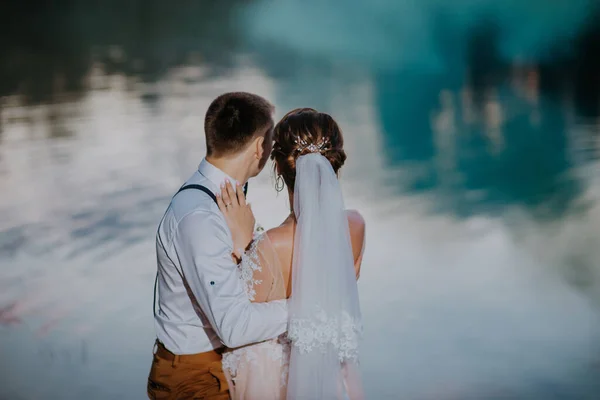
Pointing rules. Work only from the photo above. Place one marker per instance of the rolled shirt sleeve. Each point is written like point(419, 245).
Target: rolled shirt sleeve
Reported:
point(203, 245)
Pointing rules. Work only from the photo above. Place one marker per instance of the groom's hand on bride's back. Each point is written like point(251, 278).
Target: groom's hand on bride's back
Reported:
point(238, 215)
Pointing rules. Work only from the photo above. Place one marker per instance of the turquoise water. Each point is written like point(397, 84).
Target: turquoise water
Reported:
point(472, 136)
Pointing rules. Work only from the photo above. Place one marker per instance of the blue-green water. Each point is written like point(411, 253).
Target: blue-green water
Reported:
point(472, 135)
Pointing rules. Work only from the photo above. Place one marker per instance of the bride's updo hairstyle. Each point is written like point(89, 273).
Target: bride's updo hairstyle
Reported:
point(303, 131)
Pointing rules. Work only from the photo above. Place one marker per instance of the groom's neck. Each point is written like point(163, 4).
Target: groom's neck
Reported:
point(235, 166)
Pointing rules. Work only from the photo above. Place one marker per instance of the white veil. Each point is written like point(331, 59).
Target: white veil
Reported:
point(325, 322)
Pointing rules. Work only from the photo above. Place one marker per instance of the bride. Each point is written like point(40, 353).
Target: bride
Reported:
point(313, 258)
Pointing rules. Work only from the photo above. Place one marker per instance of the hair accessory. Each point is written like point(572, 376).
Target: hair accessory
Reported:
point(318, 147)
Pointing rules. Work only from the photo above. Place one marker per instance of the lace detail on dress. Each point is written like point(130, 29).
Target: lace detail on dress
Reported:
point(342, 332)
point(231, 361)
point(250, 263)
point(277, 350)
point(268, 361)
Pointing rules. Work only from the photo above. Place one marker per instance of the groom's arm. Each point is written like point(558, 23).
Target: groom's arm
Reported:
point(203, 246)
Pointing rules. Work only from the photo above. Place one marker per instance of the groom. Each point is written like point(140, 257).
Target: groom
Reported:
point(202, 305)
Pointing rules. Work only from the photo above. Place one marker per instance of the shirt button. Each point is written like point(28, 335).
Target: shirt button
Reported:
point(212, 283)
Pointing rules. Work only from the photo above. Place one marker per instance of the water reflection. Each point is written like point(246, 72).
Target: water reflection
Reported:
point(49, 51)
point(508, 151)
point(473, 154)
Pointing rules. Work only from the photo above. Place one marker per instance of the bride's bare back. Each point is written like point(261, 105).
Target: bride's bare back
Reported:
point(282, 240)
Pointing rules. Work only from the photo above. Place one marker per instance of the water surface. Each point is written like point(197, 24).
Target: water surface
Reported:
point(472, 154)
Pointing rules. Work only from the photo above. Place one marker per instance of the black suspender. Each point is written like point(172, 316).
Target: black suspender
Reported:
point(186, 187)
point(198, 187)
point(206, 190)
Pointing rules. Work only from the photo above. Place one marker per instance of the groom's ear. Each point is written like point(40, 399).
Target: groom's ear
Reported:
point(258, 147)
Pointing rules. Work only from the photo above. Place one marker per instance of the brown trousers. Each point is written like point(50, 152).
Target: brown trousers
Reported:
point(194, 376)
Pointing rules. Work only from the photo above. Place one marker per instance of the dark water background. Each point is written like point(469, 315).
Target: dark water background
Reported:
point(472, 130)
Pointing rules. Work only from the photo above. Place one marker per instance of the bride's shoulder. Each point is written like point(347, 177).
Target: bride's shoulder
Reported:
point(281, 237)
point(355, 219)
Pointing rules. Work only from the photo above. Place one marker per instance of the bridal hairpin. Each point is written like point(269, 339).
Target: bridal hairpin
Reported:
point(318, 147)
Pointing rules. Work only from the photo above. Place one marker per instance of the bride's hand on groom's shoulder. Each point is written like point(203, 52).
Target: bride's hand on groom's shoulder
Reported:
point(238, 215)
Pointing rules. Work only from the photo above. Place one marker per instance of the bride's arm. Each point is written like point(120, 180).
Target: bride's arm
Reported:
point(357, 237)
point(258, 264)
point(261, 271)
point(358, 262)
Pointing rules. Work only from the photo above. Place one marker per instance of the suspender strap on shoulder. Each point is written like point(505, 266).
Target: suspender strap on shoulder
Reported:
point(201, 188)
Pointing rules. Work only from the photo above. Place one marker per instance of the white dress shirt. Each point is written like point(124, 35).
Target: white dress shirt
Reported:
point(202, 304)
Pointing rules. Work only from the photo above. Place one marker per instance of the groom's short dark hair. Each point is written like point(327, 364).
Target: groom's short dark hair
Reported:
point(233, 120)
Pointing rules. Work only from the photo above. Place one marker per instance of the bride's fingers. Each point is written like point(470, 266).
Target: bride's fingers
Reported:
point(221, 204)
point(240, 194)
point(231, 193)
point(225, 196)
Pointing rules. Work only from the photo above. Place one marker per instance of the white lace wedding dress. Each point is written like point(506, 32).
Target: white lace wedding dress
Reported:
point(320, 359)
point(260, 371)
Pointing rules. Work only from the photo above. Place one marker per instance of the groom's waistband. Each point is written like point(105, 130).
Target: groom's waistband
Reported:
point(199, 358)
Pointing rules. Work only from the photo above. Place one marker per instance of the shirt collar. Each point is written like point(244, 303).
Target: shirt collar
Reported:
point(214, 174)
